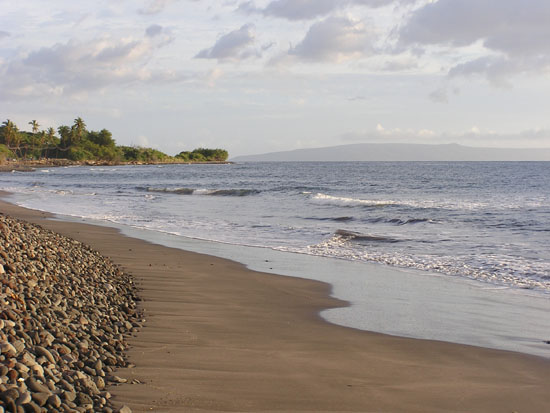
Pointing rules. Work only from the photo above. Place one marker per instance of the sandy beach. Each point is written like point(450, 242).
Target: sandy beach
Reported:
point(220, 337)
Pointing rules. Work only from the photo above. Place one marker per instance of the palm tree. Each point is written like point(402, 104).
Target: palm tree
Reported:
point(79, 128)
point(50, 134)
point(11, 134)
point(49, 140)
point(41, 140)
point(35, 125)
point(65, 135)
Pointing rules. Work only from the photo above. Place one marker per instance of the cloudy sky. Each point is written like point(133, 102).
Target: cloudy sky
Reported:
point(257, 76)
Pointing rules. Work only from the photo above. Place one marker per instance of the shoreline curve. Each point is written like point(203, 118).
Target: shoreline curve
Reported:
point(221, 337)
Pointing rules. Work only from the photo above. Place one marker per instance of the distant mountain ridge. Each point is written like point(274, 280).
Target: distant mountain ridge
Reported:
point(401, 152)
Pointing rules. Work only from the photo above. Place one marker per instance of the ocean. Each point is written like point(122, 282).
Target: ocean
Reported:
point(487, 223)
point(484, 221)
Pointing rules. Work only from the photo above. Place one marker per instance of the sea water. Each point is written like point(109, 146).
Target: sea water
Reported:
point(486, 225)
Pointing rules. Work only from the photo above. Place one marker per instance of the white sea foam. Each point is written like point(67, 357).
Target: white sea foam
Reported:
point(495, 269)
point(203, 191)
point(325, 199)
point(446, 227)
point(347, 201)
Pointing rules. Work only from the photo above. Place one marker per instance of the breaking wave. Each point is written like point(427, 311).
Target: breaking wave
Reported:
point(345, 201)
point(176, 191)
point(342, 201)
point(227, 192)
point(211, 192)
point(346, 235)
point(335, 219)
point(497, 269)
point(398, 221)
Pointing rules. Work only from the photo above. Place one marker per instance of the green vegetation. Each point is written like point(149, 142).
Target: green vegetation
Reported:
point(147, 155)
point(5, 153)
point(203, 154)
point(76, 143)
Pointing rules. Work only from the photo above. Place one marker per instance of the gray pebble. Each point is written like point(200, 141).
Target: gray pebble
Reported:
point(37, 387)
point(24, 398)
point(33, 408)
point(65, 310)
point(54, 400)
point(41, 351)
point(40, 398)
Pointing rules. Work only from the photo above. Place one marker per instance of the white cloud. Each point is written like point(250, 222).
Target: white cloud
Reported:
point(333, 40)
point(155, 6)
point(143, 140)
point(308, 9)
point(439, 95)
point(212, 76)
point(234, 45)
point(153, 30)
point(292, 9)
point(497, 69)
point(3, 34)
point(399, 64)
point(380, 134)
point(76, 67)
point(513, 34)
point(475, 136)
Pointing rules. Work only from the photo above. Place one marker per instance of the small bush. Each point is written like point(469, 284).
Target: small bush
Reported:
point(204, 155)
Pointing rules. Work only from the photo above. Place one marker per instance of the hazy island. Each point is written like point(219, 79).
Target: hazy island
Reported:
point(397, 152)
point(77, 145)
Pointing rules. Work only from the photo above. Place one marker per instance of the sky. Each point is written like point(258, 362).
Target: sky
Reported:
point(255, 76)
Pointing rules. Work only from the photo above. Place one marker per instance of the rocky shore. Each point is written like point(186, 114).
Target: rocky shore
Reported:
point(31, 165)
point(65, 314)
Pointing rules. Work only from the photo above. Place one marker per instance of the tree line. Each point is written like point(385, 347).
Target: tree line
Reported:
point(77, 143)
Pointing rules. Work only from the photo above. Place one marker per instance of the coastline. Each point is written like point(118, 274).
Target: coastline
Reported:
point(395, 301)
point(29, 166)
point(220, 337)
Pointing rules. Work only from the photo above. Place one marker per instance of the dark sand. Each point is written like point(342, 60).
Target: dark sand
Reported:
point(220, 337)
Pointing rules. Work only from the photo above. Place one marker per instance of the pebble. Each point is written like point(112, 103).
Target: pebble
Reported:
point(8, 349)
point(40, 398)
point(54, 401)
point(24, 398)
point(117, 379)
point(65, 315)
point(37, 387)
point(41, 351)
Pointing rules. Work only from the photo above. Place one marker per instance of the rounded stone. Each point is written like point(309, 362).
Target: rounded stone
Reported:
point(40, 398)
point(63, 326)
point(54, 401)
point(8, 349)
point(37, 387)
point(24, 398)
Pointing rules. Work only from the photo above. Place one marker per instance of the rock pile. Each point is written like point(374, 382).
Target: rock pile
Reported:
point(64, 314)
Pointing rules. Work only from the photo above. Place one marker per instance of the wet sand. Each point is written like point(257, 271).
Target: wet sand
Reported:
point(220, 337)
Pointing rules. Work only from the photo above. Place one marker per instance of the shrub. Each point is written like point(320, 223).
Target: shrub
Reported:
point(5, 153)
point(204, 155)
point(79, 154)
